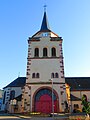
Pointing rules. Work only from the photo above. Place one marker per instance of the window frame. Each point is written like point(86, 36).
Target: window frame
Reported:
point(53, 52)
point(36, 52)
point(45, 52)
point(33, 75)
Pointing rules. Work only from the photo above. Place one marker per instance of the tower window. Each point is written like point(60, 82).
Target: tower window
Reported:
point(56, 75)
point(45, 52)
point(52, 75)
point(37, 75)
point(33, 75)
point(36, 53)
point(53, 52)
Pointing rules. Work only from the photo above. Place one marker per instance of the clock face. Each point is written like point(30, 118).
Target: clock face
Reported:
point(45, 34)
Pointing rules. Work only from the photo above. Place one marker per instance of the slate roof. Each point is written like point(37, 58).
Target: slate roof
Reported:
point(78, 83)
point(19, 82)
point(45, 24)
point(18, 98)
point(74, 98)
point(75, 83)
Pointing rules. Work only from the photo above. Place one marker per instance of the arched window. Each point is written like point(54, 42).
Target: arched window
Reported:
point(45, 52)
point(4, 97)
point(37, 75)
point(53, 52)
point(36, 52)
point(52, 75)
point(56, 75)
point(12, 94)
point(33, 75)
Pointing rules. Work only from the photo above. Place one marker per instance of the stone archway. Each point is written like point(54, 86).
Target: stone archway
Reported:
point(43, 101)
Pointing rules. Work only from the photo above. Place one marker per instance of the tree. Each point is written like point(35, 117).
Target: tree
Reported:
point(86, 104)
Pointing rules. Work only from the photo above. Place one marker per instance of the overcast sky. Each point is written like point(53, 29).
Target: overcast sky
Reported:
point(20, 19)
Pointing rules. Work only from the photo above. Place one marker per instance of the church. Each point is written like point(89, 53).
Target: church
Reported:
point(45, 81)
point(45, 88)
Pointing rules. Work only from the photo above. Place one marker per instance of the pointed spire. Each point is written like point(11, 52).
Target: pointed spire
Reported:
point(45, 24)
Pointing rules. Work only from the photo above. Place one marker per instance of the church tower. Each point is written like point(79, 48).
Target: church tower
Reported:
point(45, 82)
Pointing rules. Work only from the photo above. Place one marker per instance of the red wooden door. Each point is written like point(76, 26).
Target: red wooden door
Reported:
point(43, 101)
point(44, 105)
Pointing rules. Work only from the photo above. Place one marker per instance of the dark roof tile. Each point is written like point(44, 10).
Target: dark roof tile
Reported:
point(19, 82)
point(78, 83)
point(45, 24)
point(74, 98)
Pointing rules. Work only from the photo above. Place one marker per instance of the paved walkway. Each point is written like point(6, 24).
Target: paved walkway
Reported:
point(22, 117)
point(60, 117)
point(44, 118)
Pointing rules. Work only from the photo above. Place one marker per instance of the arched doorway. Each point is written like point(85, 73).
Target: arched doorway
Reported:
point(43, 101)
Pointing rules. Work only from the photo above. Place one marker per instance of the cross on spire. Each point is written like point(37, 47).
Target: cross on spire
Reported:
point(45, 6)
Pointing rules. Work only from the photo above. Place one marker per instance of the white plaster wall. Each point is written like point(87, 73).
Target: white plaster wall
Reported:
point(1, 93)
point(45, 42)
point(76, 93)
point(79, 94)
point(45, 67)
point(18, 91)
point(8, 90)
point(7, 97)
point(75, 102)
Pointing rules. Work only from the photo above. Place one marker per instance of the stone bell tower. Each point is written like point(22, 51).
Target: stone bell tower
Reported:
point(45, 72)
